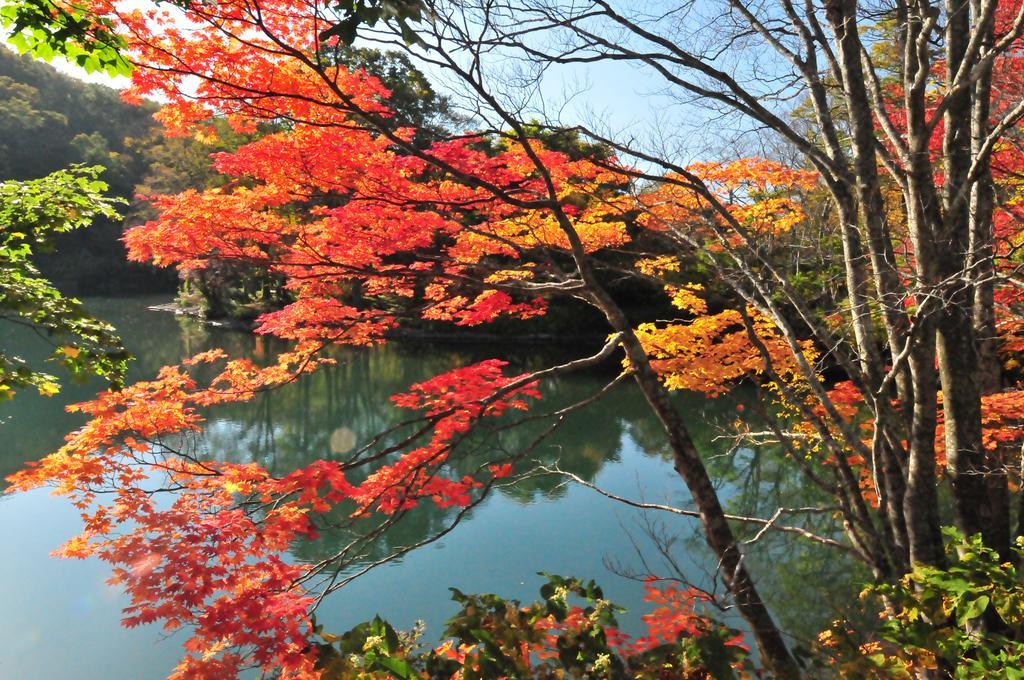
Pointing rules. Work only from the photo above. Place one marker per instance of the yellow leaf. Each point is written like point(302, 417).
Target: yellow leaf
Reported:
point(48, 389)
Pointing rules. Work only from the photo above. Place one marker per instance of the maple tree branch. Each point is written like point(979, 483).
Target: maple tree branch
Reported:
point(765, 524)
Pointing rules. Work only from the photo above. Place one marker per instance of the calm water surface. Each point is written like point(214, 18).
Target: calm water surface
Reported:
point(58, 618)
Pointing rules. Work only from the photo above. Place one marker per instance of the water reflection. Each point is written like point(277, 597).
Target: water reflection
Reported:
point(341, 407)
point(537, 524)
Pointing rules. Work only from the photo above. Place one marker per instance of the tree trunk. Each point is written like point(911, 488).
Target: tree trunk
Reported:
point(983, 269)
point(690, 467)
point(959, 359)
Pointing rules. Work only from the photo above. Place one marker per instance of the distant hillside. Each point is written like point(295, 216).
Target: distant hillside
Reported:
point(48, 121)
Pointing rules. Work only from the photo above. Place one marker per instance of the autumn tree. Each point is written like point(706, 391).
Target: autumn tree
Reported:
point(896, 165)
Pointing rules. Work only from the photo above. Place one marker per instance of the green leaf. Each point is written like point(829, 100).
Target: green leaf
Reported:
point(33, 213)
point(400, 668)
point(972, 610)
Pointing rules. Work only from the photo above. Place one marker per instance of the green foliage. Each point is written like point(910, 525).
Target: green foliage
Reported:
point(174, 164)
point(32, 213)
point(25, 123)
point(567, 141)
point(46, 29)
point(356, 13)
point(371, 648)
point(567, 634)
point(967, 618)
point(49, 120)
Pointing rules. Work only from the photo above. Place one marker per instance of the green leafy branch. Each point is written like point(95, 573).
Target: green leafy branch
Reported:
point(32, 214)
point(47, 29)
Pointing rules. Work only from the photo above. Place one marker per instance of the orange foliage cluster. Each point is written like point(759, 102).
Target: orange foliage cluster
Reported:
point(714, 351)
point(1002, 429)
point(1002, 421)
point(211, 560)
point(761, 195)
point(387, 223)
point(848, 403)
point(710, 353)
point(676, 615)
point(1002, 417)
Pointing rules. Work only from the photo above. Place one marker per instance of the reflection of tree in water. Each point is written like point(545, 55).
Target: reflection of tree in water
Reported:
point(341, 407)
point(586, 441)
point(706, 419)
point(583, 445)
point(808, 584)
point(32, 426)
point(329, 413)
point(304, 421)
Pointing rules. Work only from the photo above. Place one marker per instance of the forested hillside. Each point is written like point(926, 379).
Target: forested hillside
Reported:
point(49, 121)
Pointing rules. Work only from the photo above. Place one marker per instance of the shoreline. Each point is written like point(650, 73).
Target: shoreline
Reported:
point(463, 337)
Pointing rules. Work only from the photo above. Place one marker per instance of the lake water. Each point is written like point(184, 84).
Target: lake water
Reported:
point(60, 620)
